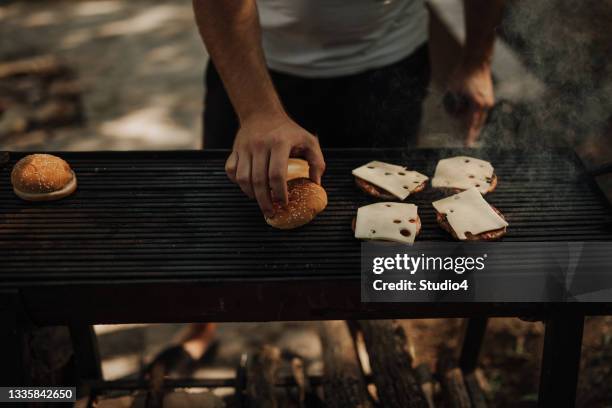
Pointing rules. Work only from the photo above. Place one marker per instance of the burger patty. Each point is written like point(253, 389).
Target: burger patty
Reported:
point(483, 236)
point(378, 192)
point(417, 223)
point(492, 186)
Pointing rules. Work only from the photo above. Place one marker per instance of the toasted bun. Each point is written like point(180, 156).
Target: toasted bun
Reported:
point(417, 221)
point(378, 192)
point(483, 236)
point(297, 168)
point(306, 200)
point(43, 177)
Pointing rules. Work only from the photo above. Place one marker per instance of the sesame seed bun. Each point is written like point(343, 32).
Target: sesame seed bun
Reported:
point(492, 235)
point(306, 200)
point(43, 177)
point(297, 168)
point(377, 192)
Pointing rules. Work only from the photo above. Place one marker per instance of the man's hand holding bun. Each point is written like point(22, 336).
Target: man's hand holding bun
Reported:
point(258, 162)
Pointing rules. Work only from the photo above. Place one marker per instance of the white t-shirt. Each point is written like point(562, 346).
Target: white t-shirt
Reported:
point(324, 38)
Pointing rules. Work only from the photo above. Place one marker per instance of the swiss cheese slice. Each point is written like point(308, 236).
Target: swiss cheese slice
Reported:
point(463, 172)
point(387, 221)
point(397, 180)
point(468, 211)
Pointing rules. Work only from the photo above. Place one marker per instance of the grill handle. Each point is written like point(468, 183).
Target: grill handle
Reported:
point(600, 170)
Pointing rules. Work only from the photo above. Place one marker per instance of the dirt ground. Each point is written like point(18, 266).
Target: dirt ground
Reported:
point(140, 65)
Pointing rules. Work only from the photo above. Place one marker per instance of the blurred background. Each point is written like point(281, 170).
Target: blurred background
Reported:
point(128, 75)
point(132, 70)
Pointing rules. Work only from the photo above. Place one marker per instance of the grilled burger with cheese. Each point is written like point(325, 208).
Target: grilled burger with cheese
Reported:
point(387, 221)
point(468, 217)
point(456, 174)
point(388, 181)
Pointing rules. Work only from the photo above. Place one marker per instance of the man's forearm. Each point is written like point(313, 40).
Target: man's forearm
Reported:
point(232, 34)
point(481, 19)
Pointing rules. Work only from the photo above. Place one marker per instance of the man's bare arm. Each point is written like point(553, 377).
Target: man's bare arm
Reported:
point(231, 32)
point(267, 136)
point(472, 78)
point(481, 19)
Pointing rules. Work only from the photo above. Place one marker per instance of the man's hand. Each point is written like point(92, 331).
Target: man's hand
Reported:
point(258, 162)
point(470, 86)
point(473, 88)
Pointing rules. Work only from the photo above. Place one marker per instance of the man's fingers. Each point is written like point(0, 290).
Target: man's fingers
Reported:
point(243, 173)
point(259, 181)
point(231, 165)
point(277, 172)
point(472, 129)
point(474, 123)
point(472, 137)
point(314, 156)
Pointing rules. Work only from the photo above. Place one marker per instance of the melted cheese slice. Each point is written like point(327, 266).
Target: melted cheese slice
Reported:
point(394, 179)
point(387, 221)
point(468, 211)
point(463, 172)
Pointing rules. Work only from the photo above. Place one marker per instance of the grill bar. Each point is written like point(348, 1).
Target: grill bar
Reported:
point(174, 215)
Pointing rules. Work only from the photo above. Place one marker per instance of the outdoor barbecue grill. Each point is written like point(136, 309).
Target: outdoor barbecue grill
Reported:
point(165, 237)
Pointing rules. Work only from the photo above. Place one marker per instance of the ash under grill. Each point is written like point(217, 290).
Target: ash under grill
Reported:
point(171, 215)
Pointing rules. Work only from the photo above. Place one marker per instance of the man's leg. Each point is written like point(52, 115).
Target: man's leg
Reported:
point(302, 98)
point(193, 345)
point(299, 97)
point(380, 107)
point(197, 339)
point(220, 122)
point(377, 108)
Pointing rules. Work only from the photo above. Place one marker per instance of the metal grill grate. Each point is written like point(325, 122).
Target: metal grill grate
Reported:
point(170, 215)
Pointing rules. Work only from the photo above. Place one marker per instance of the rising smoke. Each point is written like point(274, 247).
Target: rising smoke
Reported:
point(567, 44)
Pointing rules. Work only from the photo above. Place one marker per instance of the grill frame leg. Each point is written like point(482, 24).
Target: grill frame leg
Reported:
point(561, 361)
point(11, 341)
point(473, 337)
point(86, 352)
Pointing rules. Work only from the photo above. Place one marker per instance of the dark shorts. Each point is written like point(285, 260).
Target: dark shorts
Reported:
point(377, 108)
